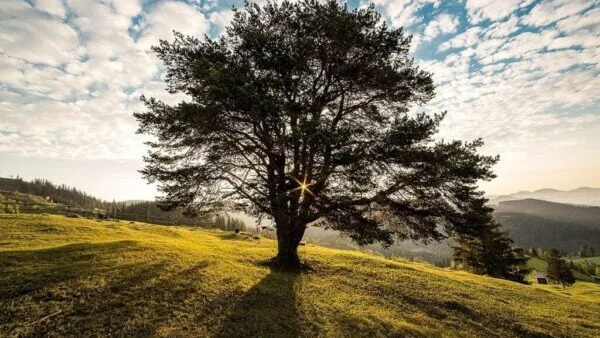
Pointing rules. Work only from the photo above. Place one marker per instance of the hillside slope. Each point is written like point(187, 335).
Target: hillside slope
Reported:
point(553, 210)
point(65, 276)
point(542, 224)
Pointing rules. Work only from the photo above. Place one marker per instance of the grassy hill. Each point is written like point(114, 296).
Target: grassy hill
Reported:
point(68, 276)
point(542, 266)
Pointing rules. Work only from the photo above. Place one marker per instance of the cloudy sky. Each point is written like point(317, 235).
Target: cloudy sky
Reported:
point(524, 75)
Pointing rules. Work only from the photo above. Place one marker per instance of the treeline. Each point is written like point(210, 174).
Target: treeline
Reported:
point(54, 193)
point(579, 263)
point(148, 211)
point(76, 202)
point(8, 205)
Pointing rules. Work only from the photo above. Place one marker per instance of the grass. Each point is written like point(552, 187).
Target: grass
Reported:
point(25, 199)
point(78, 277)
point(595, 260)
point(585, 287)
point(541, 265)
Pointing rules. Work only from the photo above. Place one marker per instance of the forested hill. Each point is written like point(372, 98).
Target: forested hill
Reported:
point(57, 193)
point(553, 210)
point(67, 200)
point(542, 224)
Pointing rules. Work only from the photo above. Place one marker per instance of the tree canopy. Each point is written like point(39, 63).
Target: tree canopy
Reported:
point(481, 247)
point(559, 270)
point(304, 112)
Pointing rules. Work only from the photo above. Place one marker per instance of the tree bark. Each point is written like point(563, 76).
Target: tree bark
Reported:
point(288, 240)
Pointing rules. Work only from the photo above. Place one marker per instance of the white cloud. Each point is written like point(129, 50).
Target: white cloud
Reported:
point(578, 22)
point(402, 13)
point(480, 10)
point(520, 46)
point(547, 12)
point(68, 86)
point(443, 24)
point(221, 19)
point(38, 39)
point(503, 29)
point(466, 39)
point(54, 7)
point(165, 17)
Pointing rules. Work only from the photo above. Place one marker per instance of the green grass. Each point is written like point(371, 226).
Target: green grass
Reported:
point(539, 264)
point(584, 288)
point(25, 198)
point(595, 260)
point(122, 279)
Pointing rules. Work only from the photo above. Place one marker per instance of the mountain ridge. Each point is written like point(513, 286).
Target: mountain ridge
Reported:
point(579, 196)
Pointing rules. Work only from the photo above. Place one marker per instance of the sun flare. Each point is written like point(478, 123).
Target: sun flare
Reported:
point(303, 186)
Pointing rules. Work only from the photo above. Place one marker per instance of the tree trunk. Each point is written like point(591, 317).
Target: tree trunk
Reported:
point(288, 240)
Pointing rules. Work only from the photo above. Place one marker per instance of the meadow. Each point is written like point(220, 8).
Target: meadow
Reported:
point(74, 276)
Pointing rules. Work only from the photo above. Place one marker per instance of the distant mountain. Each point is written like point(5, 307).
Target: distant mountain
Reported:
point(552, 210)
point(532, 224)
point(543, 224)
point(580, 196)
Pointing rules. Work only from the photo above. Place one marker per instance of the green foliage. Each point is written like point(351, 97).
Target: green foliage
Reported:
point(51, 193)
point(301, 112)
point(226, 222)
point(43, 195)
point(484, 249)
point(533, 252)
point(559, 270)
point(121, 279)
point(8, 205)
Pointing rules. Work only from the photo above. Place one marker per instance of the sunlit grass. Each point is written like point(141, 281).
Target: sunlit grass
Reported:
point(137, 279)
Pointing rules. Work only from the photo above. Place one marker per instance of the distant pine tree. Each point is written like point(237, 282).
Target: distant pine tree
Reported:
point(485, 249)
point(532, 252)
point(559, 270)
point(583, 251)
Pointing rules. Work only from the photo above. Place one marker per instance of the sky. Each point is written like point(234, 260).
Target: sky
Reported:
point(523, 75)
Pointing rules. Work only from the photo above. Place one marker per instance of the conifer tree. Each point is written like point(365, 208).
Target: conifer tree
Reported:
point(302, 112)
point(559, 270)
point(483, 248)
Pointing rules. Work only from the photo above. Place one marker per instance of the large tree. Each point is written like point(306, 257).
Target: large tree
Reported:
point(302, 112)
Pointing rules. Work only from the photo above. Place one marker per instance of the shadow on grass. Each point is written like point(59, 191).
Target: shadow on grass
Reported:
point(28, 271)
point(268, 309)
point(117, 288)
point(235, 237)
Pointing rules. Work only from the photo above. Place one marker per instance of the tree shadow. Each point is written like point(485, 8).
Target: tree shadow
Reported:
point(115, 288)
point(28, 271)
point(235, 237)
point(268, 309)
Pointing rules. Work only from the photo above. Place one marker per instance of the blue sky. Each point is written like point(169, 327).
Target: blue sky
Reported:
point(524, 75)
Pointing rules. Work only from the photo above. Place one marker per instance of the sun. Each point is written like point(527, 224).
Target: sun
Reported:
point(303, 186)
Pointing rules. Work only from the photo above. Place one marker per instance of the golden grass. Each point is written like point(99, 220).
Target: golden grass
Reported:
point(122, 279)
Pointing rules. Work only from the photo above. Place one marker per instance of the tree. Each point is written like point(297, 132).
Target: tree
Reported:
point(597, 272)
point(559, 270)
point(533, 252)
point(583, 251)
point(300, 112)
point(481, 247)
